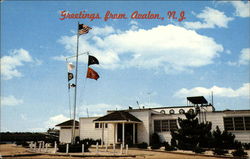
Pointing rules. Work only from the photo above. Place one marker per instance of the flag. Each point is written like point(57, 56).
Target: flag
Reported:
point(70, 76)
point(70, 66)
point(92, 74)
point(92, 60)
point(83, 29)
point(71, 85)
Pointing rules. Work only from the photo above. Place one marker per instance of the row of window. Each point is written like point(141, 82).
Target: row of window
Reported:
point(164, 125)
point(181, 111)
point(237, 123)
point(99, 125)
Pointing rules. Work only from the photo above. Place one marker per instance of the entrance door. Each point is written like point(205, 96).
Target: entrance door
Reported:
point(128, 133)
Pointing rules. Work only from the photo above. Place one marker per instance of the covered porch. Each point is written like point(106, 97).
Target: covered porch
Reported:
point(122, 128)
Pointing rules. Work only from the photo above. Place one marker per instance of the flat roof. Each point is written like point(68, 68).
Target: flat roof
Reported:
point(197, 100)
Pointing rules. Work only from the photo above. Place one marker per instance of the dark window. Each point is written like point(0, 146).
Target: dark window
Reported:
point(228, 124)
point(157, 126)
point(247, 123)
point(171, 111)
point(96, 125)
point(106, 125)
point(101, 125)
point(238, 123)
point(173, 124)
point(163, 112)
point(181, 111)
point(165, 125)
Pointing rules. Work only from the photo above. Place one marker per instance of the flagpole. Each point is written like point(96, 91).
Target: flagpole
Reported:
point(74, 116)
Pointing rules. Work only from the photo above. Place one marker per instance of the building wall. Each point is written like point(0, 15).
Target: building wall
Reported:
point(88, 130)
point(143, 129)
point(65, 135)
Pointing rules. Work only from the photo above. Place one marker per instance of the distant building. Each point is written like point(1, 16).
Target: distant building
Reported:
point(136, 125)
point(66, 127)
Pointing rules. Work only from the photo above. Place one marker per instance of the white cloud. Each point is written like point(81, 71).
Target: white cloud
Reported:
point(242, 9)
point(244, 58)
point(211, 18)
point(169, 47)
point(10, 63)
point(243, 91)
point(99, 109)
point(55, 120)
point(10, 101)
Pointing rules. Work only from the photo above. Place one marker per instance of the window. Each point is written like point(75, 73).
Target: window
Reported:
point(237, 123)
point(164, 125)
point(181, 111)
point(247, 123)
point(96, 125)
point(163, 112)
point(228, 124)
point(171, 111)
point(106, 125)
point(157, 125)
point(173, 124)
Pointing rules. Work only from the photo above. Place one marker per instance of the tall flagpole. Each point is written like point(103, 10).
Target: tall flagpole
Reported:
point(74, 116)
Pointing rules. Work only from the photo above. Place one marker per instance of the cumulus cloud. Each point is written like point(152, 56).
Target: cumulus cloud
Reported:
point(54, 120)
point(10, 101)
point(9, 64)
point(211, 18)
point(244, 58)
point(243, 91)
point(170, 47)
point(242, 9)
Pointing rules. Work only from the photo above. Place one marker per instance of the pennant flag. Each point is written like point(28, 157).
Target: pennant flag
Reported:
point(83, 29)
point(92, 60)
point(71, 85)
point(70, 76)
point(70, 66)
point(92, 74)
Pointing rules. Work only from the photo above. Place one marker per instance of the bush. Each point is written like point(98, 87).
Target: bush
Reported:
point(155, 142)
point(246, 146)
point(219, 151)
point(23, 143)
point(198, 149)
point(73, 148)
point(169, 147)
point(142, 145)
point(239, 153)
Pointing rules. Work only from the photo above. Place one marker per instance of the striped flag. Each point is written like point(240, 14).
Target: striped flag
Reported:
point(83, 29)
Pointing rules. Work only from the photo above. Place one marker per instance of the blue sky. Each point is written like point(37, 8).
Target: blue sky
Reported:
point(156, 62)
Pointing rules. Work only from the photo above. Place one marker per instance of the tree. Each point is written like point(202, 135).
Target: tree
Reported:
point(191, 134)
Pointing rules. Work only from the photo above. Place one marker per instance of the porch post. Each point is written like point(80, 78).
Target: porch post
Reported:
point(133, 133)
point(102, 133)
point(123, 134)
point(114, 134)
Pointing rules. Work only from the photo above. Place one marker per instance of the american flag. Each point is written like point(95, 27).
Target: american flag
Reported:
point(83, 29)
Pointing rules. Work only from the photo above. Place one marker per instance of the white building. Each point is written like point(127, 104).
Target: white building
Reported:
point(137, 125)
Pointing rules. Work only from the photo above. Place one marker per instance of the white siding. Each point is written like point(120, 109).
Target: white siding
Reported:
point(88, 130)
point(143, 129)
point(66, 135)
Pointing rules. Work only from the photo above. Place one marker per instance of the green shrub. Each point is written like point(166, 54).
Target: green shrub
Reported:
point(219, 151)
point(246, 146)
point(169, 147)
point(239, 152)
point(198, 149)
point(155, 141)
point(142, 145)
point(73, 148)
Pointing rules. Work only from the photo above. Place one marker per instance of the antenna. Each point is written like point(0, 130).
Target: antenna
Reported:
point(138, 104)
point(149, 95)
point(87, 112)
point(212, 99)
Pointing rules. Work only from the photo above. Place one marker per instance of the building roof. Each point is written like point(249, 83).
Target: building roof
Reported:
point(68, 123)
point(118, 116)
point(197, 100)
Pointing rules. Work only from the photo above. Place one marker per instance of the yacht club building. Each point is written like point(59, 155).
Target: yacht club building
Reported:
point(133, 126)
